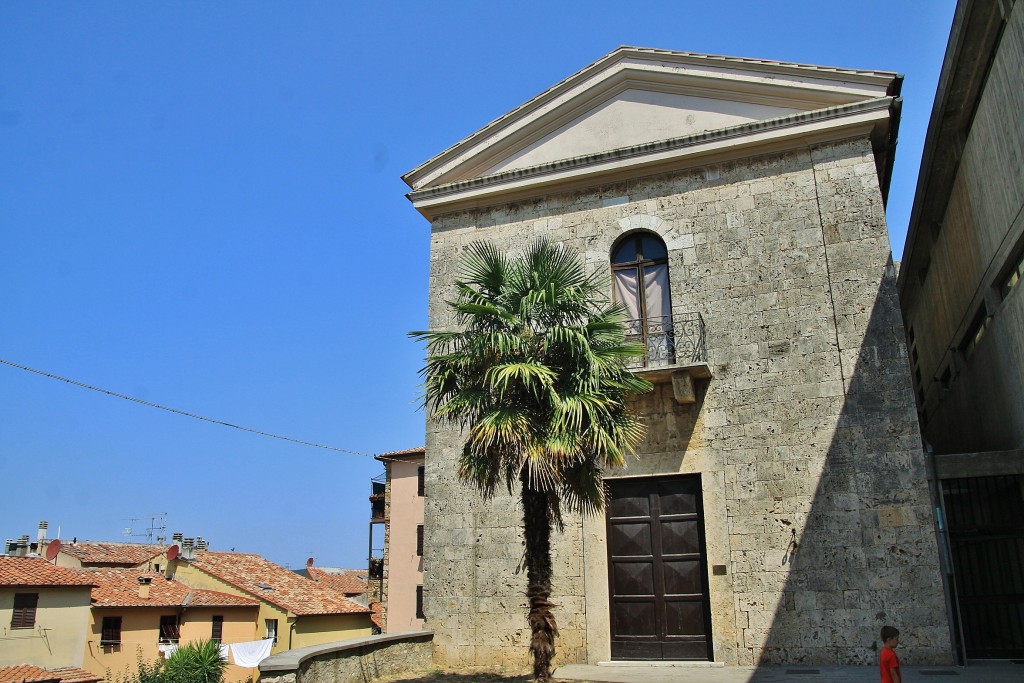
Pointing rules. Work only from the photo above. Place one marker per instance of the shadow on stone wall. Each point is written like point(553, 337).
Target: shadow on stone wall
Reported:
point(863, 553)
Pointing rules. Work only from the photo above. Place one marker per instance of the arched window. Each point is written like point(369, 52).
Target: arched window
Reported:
point(640, 273)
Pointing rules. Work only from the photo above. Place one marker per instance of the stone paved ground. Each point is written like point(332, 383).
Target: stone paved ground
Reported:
point(987, 672)
point(994, 672)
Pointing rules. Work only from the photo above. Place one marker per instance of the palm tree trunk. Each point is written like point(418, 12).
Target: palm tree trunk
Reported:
point(537, 533)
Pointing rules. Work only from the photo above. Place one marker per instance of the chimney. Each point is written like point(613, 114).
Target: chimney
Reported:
point(41, 534)
point(176, 539)
point(144, 582)
point(187, 545)
point(201, 544)
point(22, 550)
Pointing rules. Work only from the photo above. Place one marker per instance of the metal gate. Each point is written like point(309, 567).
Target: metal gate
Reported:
point(657, 569)
point(985, 519)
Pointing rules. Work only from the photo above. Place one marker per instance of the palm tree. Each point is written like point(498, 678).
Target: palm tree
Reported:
point(536, 378)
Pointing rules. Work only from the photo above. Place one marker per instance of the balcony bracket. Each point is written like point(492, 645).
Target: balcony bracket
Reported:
point(683, 390)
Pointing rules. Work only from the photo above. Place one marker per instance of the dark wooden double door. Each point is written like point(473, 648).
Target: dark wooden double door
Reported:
point(657, 566)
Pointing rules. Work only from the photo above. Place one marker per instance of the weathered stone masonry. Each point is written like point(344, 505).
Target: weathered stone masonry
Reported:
point(805, 437)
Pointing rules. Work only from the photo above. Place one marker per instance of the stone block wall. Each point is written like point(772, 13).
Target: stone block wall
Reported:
point(806, 439)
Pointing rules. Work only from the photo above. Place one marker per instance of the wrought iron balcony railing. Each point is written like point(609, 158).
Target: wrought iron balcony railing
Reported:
point(668, 340)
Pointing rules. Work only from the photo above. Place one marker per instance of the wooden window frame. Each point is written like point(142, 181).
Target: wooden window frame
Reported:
point(271, 631)
point(24, 613)
point(111, 632)
point(217, 628)
point(170, 633)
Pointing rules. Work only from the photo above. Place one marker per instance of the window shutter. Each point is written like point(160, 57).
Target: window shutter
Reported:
point(419, 540)
point(217, 633)
point(24, 615)
point(419, 603)
point(420, 481)
point(111, 631)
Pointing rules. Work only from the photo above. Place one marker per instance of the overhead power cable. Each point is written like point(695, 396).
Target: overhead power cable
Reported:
point(182, 412)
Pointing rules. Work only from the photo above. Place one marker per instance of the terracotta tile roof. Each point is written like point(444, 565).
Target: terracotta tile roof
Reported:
point(113, 554)
point(408, 451)
point(35, 571)
point(275, 584)
point(119, 587)
point(376, 616)
point(72, 674)
point(27, 673)
point(348, 581)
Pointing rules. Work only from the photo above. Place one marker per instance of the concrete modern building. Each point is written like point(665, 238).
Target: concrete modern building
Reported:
point(402, 584)
point(960, 291)
point(779, 510)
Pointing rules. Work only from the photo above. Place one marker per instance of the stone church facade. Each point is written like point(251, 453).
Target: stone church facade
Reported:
point(779, 510)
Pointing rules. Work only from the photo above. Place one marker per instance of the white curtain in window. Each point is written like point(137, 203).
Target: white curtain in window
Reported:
point(627, 291)
point(659, 301)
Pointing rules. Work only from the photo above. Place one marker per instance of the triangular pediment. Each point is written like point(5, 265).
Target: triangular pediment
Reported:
point(636, 102)
point(634, 117)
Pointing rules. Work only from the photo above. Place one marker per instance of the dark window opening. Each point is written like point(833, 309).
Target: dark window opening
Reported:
point(421, 483)
point(169, 632)
point(111, 631)
point(419, 603)
point(975, 332)
point(24, 615)
point(419, 540)
point(272, 629)
point(1011, 279)
point(217, 632)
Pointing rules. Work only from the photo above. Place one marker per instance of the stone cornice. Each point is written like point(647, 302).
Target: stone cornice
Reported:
point(755, 81)
point(867, 118)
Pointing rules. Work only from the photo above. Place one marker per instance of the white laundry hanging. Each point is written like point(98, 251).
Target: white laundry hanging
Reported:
point(251, 654)
point(167, 649)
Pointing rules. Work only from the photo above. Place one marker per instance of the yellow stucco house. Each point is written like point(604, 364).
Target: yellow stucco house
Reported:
point(136, 612)
point(294, 610)
point(44, 611)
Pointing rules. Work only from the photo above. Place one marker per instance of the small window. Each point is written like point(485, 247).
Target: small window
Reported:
point(111, 631)
point(419, 603)
point(169, 629)
point(217, 632)
point(272, 629)
point(421, 481)
point(24, 615)
point(419, 540)
point(975, 332)
point(1010, 281)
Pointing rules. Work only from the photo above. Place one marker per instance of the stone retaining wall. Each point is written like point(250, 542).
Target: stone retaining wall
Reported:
point(362, 659)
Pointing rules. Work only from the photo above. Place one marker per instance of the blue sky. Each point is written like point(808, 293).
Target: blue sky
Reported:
point(200, 206)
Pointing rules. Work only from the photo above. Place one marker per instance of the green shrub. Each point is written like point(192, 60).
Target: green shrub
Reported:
point(195, 662)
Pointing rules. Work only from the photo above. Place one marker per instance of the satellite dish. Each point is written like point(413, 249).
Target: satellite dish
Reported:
point(52, 548)
point(172, 553)
point(309, 562)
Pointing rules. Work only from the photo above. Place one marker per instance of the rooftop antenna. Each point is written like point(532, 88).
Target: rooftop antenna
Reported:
point(155, 529)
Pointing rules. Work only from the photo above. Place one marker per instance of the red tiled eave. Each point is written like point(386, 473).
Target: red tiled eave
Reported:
point(119, 587)
point(35, 571)
point(285, 589)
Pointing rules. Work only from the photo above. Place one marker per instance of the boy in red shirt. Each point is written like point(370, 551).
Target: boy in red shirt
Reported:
point(888, 662)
